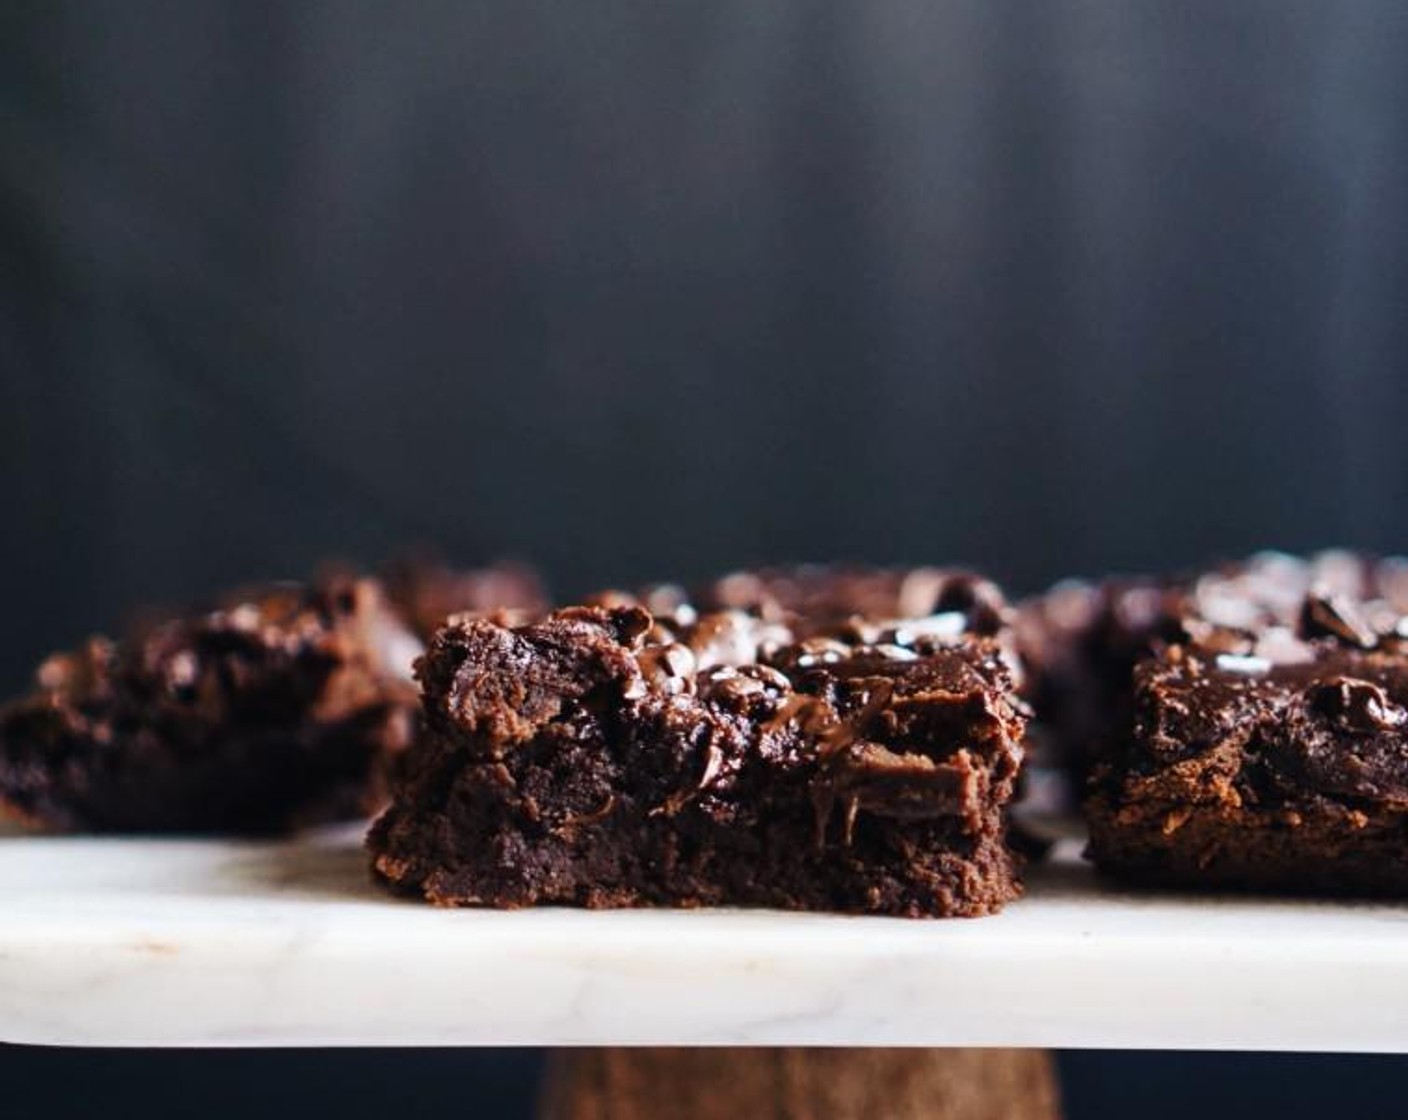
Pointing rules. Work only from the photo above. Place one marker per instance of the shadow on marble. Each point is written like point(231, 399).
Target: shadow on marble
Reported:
point(1065, 876)
point(327, 865)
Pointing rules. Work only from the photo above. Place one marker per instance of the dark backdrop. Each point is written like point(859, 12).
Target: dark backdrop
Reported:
point(634, 289)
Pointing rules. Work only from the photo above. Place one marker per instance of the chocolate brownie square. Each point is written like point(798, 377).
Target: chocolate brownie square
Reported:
point(602, 757)
point(1271, 761)
point(275, 710)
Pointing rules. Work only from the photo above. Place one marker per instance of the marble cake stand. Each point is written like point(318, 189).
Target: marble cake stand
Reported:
point(129, 942)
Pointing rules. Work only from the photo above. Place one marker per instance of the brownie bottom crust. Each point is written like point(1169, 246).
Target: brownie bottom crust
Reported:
point(910, 876)
point(237, 783)
point(1333, 850)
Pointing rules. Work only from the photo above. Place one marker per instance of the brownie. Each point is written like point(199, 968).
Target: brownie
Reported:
point(605, 757)
point(1266, 759)
point(426, 592)
point(277, 709)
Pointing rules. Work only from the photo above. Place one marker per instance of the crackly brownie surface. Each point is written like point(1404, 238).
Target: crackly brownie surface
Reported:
point(817, 597)
point(1274, 761)
point(426, 592)
point(602, 757)
point(276, 710)
point(1080, 642)
point(857, 604)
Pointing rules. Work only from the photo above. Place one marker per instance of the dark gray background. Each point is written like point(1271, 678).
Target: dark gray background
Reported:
point(634, 289)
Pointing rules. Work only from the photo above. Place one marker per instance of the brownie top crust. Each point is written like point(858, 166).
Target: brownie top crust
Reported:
point(1336, 724)
point(814, 598)
point(1081, 642)
point(1302, 694)
point(323, 650)
point(747, 616)
point(1124, 619)
point(504, 684)
point(1314, 702)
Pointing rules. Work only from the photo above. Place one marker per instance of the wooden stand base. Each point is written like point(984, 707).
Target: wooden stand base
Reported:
point(800, 1084)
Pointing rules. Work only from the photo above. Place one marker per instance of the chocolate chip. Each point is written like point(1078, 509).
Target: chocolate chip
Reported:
point(1356, 703)
point(820, 651)
point(768, 676)
point(948, 627)
point(669, 668)
point(978, 599)
point(1212, 638)
point(1334, 616)
point(731, 684)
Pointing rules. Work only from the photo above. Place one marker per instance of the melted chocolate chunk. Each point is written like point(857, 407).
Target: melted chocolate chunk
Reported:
point(1335, 616)
point(1357, 705)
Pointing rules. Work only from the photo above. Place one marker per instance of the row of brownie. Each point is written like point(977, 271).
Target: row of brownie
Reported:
point(1243, 727)
point(279, 706)
point(806, 738)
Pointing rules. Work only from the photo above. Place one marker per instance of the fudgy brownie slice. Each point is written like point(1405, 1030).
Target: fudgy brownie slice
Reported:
point(425, 592)
point(602, 758)
point(278, 709)
point(1276, 761)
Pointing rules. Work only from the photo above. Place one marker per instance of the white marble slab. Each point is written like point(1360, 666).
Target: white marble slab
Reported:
point(176, 943)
